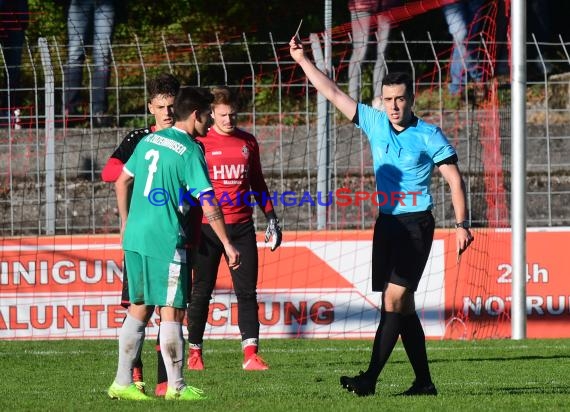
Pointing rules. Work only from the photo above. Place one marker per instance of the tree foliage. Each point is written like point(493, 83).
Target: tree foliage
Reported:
point(202, 19)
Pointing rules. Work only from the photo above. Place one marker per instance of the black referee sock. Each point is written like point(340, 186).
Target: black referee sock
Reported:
point(384, 342)
point(414, 341)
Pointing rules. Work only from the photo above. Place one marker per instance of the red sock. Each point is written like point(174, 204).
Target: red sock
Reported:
point(249, 350)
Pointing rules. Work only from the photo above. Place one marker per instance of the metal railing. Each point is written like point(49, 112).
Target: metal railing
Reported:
point(280, 108)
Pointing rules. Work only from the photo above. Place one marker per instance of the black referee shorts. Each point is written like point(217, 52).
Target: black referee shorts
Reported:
point(400, 249)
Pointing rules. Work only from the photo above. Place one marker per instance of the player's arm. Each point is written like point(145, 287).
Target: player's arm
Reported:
point(215, 217)
point(112, 170)
point(451, 174)
point(322, 83)
point(197, 173)
point(114, 166)
point(259, 186)
point(122, 190)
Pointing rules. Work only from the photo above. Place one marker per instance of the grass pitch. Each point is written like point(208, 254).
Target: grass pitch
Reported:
point(488, 375)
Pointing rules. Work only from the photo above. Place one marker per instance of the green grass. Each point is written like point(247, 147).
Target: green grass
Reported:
point(489, 375)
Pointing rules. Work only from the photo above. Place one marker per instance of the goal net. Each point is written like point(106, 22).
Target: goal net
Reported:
point(60, 253)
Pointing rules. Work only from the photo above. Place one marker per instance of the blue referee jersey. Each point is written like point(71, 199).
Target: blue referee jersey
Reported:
point(403, 161)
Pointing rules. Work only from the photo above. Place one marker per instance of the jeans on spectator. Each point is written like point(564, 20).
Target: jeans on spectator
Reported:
point(101, 13)
point(360, 21)
point(13, 21)
point(463, 20)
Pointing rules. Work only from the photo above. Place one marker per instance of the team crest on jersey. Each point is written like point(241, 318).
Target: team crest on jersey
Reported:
point(245, 152)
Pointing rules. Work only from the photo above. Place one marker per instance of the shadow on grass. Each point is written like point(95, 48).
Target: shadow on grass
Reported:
point(501, 359)
point(521, 390)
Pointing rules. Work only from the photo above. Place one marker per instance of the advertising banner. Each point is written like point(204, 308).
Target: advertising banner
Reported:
point(316, 285)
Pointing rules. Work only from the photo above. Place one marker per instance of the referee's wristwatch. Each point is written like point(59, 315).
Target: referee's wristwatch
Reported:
point(462, 225)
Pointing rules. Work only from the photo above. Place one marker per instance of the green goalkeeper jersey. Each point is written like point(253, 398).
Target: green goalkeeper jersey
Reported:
point(167, 167)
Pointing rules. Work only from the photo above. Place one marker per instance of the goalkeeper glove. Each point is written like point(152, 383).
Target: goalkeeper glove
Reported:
point(273, 233)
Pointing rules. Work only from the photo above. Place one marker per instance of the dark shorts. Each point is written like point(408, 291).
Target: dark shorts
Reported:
point(207, 256)
point(400, 249)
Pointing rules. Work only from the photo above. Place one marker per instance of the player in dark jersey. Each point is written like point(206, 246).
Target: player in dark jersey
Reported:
point(234, 167)
point(161, 92)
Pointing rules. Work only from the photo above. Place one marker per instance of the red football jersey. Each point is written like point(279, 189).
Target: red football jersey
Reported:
point(236, 175)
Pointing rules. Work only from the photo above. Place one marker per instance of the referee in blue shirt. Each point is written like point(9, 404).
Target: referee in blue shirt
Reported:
point(405, 151)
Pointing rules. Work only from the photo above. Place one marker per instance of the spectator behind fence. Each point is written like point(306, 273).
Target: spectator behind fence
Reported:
point(464, 23)
point(99, 17)
point(362, 15)
point(540, 25)
point(14, 18)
